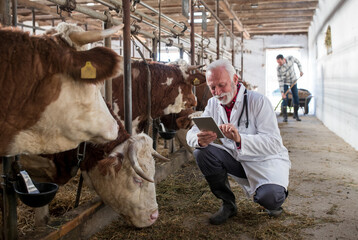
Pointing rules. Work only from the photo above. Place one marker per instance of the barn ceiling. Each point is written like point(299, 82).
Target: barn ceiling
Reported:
point(252, 17)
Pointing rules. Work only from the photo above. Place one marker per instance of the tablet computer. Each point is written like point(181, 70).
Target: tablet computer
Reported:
point(208, 124)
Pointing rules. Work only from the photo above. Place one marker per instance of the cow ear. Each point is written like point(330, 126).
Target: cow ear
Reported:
point(105, 165)
point(197, 79)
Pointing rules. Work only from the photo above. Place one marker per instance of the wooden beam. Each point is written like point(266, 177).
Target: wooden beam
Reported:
point(237, 23)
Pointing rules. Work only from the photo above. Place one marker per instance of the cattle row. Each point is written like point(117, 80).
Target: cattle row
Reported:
point(51, 102)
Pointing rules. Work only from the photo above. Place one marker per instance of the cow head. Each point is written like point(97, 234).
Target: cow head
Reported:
point(124, 180)
point(48, 105)
point(171, 88)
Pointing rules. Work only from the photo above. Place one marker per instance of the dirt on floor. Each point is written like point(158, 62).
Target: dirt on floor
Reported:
point(322, 202)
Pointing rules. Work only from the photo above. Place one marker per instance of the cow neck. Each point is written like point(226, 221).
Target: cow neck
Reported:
point(97, 152)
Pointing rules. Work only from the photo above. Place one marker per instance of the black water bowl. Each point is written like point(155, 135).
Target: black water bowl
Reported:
point(168, 134)
point(47, 193)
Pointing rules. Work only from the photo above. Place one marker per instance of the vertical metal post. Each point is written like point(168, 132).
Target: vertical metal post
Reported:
point(5, 18)
point(192, 32)
point(181, 50)
point(33, 21)
point(217, 25)
point(154, 125)
point(232, 43)
point(242, 56)
point(160, 29)
point(108, 82)
point(9, 201)
point(127, 66)
point(154, 49)
point(202, 48)
point(14, 12)
point(120, 45)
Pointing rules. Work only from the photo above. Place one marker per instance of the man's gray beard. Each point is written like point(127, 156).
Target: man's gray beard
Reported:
point(229, 97)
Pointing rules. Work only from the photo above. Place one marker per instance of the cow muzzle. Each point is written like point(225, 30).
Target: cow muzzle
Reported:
point(154, 216)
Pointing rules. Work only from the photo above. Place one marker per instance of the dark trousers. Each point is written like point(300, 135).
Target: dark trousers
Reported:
point(294, 91)
point(212, 161)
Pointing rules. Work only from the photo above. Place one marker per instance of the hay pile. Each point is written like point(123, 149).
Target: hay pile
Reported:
point(64, 200)
point(185, 203)
point(302, 94)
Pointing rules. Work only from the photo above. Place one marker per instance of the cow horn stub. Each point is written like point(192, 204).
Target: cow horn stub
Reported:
point(135, 165)
point(194, 67)
point(161, 157)
point(82, 38)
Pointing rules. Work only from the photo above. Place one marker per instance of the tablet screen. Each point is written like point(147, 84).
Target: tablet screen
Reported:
point(208, 124)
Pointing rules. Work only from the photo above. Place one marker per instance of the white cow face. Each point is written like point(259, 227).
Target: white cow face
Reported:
point(121, 187)
point(79, 114)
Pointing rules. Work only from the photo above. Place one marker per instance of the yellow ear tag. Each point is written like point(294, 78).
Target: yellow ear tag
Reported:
point(196, 81)
point(88, 71)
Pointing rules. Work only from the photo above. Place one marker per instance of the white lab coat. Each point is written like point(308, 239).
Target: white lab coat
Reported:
point(262, 154)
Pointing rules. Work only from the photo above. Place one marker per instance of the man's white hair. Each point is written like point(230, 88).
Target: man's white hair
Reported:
point(221, 63)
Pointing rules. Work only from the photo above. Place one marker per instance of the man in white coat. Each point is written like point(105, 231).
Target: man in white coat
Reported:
point(251, 152)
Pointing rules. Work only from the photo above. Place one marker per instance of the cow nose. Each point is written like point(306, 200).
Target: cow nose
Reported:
point(154, 215)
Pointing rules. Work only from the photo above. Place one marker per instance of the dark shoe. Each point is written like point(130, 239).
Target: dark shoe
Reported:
point(224, 213)
point(275, 213)
point(219, 186)
point(284, 112)
point(295, 115)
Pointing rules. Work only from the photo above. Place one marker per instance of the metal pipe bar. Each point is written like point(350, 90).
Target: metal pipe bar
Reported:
point(163, 15)
point(29, 26)
point(33, 21)
point(192, 39)
point(106, 4)
point(119, 5)
point(100, 16)
point(217, 30)
point(127, 66)
point(9, 201)
point(140, 41)
point(215, 16)
point(159, 32)
point(14, 12)
point(232, 44)
point(108, 82)
point(242, 56)
point(167, 18)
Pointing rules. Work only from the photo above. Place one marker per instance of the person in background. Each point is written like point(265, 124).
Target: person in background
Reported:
point(252, 151)
point(286, 77)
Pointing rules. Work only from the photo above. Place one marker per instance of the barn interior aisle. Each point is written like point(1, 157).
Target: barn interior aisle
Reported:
point(322, 202)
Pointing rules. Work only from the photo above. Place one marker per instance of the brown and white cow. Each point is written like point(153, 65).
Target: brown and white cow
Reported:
point(121, 172)
point(182, 120)
point(47, 103)
point(171, 91)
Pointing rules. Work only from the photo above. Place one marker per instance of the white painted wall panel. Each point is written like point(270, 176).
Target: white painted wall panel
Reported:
point(336, 74)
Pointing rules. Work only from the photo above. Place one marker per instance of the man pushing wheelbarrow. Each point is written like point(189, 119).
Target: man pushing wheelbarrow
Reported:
point(287, 80)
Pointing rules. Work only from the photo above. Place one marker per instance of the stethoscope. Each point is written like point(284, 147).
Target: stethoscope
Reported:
point(242, 111)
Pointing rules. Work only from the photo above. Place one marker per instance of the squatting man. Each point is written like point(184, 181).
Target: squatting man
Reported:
point(251, 152)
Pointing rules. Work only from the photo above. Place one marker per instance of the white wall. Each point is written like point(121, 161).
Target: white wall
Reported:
point(336, 74)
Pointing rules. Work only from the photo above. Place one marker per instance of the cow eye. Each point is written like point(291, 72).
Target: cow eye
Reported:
point(138, 181)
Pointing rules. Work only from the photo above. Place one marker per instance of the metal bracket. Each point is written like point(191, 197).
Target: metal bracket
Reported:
point(136, 29)
point(81, 155)
point(170, 43)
